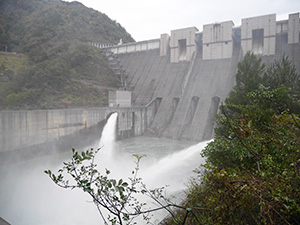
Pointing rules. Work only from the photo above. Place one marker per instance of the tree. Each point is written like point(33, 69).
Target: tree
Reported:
point(51, 34)
point(118, 198)
point(252, 174)
point(283, 73)
point(254, 158)
point(248, 78)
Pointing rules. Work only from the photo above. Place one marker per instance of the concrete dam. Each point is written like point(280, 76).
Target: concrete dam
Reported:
point(187, 74)
point(38, 131)
point(176, 84)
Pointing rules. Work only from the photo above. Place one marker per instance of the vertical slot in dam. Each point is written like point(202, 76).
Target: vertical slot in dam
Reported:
point(190, 115)
point(209, 127)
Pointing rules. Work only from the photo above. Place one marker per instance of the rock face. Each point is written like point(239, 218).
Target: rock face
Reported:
point(185, 76)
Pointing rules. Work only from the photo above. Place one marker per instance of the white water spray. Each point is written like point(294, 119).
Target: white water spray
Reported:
point(175, 169)
point(27, 196)
point(108, 137)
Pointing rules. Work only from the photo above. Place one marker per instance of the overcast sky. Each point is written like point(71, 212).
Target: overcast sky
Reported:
point(146, 20)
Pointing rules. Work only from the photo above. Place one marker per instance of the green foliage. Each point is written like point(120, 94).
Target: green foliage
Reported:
point(26, 95)
point(252, 174)
point(14, 62)
point(248, 78)
point(283, 73)
point(54, 36)
point(249, 73)
point(72, 75)
point(58, 85)
point(259, 152)
point(117, 197)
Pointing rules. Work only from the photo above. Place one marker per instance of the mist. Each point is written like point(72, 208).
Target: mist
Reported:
point(28, 196)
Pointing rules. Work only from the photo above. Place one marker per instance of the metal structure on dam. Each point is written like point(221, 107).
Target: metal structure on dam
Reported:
point(176, 82)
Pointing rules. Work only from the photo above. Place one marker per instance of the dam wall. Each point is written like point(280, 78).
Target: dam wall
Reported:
point(185, 76)
point(65, 128)
point(186, 94)
point(176, 84)
point(21, 129)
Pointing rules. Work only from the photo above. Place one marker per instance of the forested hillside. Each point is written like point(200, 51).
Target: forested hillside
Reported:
point(54, 67)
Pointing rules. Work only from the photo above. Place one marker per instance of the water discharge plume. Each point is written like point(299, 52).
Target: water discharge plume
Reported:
point(108, 138)
point(175, 169)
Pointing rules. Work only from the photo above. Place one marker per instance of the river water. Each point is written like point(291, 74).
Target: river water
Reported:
point(29, 197)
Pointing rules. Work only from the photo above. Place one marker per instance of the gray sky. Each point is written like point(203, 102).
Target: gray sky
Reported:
point(146, 20)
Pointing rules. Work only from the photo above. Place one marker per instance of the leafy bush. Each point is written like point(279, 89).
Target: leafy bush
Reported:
point(117, 197)
point(252, 173)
